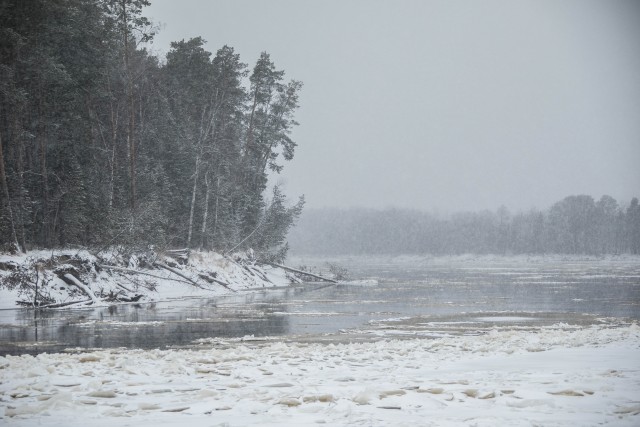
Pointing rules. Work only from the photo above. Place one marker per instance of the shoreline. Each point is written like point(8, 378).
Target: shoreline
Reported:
point(77, 278)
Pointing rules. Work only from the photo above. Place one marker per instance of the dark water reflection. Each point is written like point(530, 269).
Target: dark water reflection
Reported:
point(155, 325)
point(417, 291)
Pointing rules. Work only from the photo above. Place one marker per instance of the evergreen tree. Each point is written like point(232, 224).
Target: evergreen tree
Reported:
point(270, 123)
point(606, 225)
point(633, 226)
point(270, 241)
point(101, 144)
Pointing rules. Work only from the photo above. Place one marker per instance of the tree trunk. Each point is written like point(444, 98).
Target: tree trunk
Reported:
point(215, 212)
point(130, 104)
point(306, 273)
point(114, 139)
point(207, 128)
point(176, 272)
point(249, 139)
point(5, 196)
point(45, 180)
point(132, 151)
point(71, 279)
point(193, 201)
point(206, 211)
point(19, 159)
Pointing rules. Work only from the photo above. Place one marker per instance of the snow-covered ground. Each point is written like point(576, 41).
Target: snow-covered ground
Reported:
point(79, 278)
point(558, 375)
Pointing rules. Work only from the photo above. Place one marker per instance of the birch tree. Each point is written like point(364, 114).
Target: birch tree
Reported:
point(203, 91)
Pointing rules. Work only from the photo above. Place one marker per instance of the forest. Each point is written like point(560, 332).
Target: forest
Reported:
point(103, 143)
point(575, 225)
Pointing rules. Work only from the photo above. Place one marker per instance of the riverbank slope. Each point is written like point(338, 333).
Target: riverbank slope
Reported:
point(68, 278)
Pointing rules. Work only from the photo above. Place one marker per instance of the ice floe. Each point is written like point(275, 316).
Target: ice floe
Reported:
point(556, 375)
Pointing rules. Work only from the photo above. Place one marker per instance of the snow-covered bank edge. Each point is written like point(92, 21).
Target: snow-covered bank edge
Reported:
point(77, 278)
point(557, 375)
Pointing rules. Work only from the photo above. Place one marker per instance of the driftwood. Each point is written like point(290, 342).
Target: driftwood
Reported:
point(306, 273)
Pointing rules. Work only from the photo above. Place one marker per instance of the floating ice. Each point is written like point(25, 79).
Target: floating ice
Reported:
point(580, 376)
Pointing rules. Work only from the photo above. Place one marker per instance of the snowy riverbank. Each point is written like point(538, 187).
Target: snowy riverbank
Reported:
point(77, 278)
point(556, 376)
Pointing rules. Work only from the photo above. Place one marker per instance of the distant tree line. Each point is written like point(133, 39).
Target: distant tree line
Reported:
point(103, 143)
point(574, 225)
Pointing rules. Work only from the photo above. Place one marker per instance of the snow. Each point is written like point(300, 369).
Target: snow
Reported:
point(504, 319)
point(506, 374)
point(100, 277)
point(555, 375)
point(83, 287)
point(362, 282)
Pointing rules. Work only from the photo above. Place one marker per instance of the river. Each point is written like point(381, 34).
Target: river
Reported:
point(399, 297)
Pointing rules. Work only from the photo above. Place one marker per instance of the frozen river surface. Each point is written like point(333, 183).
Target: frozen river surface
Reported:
point(436, 342)
point(399, 297)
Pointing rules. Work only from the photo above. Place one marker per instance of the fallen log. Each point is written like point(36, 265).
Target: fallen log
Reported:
point(293, 270)
point(211, 279)
point(174, 271)
point(248, 270)
point(180, 251)
point(166, 267)
point(261, 275)
point(117, 297)
point(58, 304)
point(179, 254)
point(71, 279)
point(219, 282)
point(124, 287)
point(129, 270)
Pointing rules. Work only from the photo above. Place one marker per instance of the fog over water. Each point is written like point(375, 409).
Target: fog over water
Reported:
point(443, 105)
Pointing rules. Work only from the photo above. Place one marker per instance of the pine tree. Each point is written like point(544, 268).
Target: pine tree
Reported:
point(633, 226)
point(102, 144)
point(270, 123)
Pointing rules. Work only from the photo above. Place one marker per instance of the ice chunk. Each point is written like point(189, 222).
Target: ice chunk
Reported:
point(365, 397)
point(289, 401)
point(108, 394)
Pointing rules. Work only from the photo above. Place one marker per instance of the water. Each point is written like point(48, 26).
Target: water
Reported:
point(414, 297)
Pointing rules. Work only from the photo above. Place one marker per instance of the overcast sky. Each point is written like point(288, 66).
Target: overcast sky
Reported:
point(443, 105)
